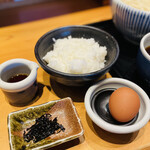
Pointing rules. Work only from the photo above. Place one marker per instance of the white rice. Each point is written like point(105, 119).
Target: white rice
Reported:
point(139, 4)
point(76, 55)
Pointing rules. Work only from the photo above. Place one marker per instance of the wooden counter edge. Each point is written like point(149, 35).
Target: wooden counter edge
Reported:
point(77, 18)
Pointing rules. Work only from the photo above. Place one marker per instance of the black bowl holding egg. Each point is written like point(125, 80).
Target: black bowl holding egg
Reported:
point(117, 105)
point(112, 106)
point(47, 42)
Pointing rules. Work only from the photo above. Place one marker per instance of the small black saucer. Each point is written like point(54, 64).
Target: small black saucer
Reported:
point(100, 105)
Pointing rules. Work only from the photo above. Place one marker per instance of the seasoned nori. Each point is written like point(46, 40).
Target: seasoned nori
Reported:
point(43, 128)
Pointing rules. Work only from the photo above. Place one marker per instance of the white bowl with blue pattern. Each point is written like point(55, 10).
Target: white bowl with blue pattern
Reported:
point(131, 22)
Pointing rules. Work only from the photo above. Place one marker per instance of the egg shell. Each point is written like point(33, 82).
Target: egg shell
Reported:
point(124, 104)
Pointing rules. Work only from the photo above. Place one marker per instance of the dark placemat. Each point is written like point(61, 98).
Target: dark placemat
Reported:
point(125, 67)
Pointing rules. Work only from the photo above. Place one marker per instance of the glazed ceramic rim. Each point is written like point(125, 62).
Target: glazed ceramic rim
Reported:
point(142, 48)
point(59, 73)
point(116, 128)
point(131, 7)
point(21, 85)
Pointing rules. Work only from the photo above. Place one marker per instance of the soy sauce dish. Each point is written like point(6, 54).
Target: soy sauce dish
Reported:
point(97, 106)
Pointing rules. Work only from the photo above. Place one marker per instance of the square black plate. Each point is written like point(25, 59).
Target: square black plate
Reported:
point(125, 67)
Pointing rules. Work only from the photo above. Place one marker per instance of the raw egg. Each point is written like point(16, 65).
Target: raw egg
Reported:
point(124, 104)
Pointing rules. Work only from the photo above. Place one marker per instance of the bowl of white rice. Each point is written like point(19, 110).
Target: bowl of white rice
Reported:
point(131, 18)
point(76, 55)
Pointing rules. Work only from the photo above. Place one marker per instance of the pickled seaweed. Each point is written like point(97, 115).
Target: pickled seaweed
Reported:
point(43, 128)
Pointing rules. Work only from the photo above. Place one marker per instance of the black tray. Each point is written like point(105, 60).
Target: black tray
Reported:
point(125, 67)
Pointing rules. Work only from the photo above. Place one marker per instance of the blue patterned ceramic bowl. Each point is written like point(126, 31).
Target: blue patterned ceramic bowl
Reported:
point(131, 22)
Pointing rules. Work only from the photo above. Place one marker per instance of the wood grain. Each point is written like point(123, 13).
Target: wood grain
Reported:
point(18, 41)
point(14, 12)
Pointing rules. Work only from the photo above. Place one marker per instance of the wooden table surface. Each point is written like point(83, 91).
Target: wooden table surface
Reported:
point(18, 41)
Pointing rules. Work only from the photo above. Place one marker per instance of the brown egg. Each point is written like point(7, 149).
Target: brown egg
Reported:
point(124, 104)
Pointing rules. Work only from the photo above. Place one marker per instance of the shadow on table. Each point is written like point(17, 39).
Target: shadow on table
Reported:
point(111, 137)
point(39, 92)
point(76, 93)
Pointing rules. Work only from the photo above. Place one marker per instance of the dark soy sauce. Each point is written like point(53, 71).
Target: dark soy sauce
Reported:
point(148, 49)
point(17, 78)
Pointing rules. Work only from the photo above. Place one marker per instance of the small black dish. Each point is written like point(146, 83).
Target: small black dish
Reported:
point(100, 105)
point(46, 42)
